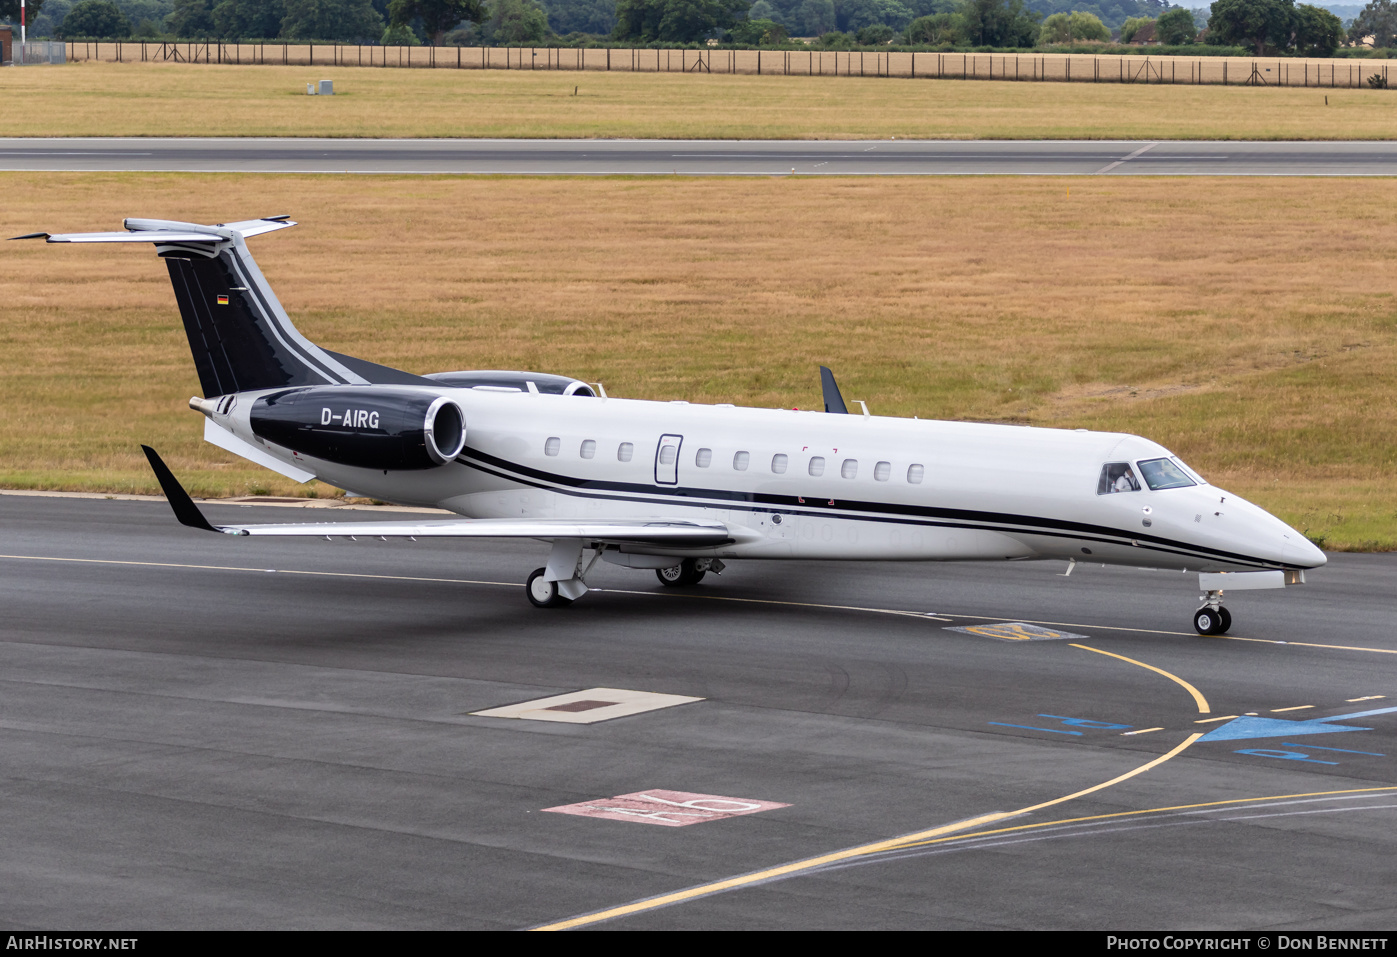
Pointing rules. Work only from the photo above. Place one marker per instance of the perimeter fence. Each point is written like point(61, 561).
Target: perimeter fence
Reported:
point(30, 52)
point(1049, 67)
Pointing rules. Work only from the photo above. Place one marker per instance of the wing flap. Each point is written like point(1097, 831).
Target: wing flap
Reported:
point(678, 534)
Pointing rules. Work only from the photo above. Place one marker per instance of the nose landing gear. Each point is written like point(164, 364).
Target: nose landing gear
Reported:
point(1212, 618)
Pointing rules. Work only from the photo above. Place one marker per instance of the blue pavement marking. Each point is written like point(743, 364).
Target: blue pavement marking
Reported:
point(1255, 727)
point(1315, 747)
point(1086, 723)
point(1283, 755)
point(1030, 727)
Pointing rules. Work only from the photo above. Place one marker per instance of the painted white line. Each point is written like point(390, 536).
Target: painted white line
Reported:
point(1125, 159)
point(588, 706)
point(667, 808)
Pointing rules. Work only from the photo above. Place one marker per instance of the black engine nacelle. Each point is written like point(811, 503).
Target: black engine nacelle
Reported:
point(372, 427)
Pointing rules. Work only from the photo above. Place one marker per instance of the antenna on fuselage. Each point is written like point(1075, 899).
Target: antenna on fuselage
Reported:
point(834, 402)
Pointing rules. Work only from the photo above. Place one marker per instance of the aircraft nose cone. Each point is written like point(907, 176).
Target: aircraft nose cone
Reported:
point(1300, 551)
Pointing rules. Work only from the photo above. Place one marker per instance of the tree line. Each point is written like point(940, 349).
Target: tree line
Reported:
point(1261, 27)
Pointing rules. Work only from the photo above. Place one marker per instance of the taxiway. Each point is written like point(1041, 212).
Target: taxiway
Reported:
point(201, 731)
point(704, 157)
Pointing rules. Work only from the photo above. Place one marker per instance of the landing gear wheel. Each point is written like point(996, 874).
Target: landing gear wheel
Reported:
point(543, 593)
point(684, 574)
point(1212, 621)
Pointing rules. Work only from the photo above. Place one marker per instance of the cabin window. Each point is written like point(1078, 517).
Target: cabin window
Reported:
point(668, 454)
point(882, 471)
point(624, 451)
point(588, 450)
point(850, 469)
point(817, 466)
point(915, 474)
point(778, 463)
point(704, 458)
point(740, 461)
point(1163, 473)
point(552, 446)
point(1117, 477)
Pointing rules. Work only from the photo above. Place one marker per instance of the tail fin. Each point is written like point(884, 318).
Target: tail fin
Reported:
point(239, 334)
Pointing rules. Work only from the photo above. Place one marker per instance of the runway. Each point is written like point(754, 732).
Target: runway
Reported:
point(704, 158)
point(201, 731)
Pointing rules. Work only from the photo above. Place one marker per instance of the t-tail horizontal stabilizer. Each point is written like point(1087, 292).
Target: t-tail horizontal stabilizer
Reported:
point(240, 337)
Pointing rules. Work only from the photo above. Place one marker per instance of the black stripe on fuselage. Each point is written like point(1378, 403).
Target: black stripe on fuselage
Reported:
point(924, 515)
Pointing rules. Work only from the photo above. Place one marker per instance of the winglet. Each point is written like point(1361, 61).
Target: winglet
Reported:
point(185, 510)
point(834, 402)
point(32, 236)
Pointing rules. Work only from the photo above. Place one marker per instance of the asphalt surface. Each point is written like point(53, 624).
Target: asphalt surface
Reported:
point(706, 158)
point(201, 731)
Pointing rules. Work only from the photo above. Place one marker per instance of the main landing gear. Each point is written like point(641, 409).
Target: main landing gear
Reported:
point(544, 593)
point(562, 581)
point(688, 572)
point(1212, 618)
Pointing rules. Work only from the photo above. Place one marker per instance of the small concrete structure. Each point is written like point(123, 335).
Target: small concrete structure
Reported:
point(327, 88)
point(7, 45)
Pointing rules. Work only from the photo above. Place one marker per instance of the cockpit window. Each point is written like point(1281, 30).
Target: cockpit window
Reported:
point(1164, 473)
point(1190, 472)
point(1117, 477)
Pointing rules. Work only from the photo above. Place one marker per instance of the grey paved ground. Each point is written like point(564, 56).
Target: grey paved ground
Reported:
point(191, 739)
point(706, 158)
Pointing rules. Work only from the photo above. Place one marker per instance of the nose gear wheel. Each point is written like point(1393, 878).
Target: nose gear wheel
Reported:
point(1212, 621)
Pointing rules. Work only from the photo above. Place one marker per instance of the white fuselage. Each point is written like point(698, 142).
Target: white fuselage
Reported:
point(811, 485)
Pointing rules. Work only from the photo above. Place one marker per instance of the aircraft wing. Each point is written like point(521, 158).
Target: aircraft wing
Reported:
point(675, 534)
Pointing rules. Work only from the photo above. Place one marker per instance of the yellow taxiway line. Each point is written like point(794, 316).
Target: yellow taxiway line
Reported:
point(1198, 698)
point(933, 835)
point(941, 834)
point(1150, 810)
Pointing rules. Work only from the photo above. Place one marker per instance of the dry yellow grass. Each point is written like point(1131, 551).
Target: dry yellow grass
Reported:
point(165, 99)
point(1248, 324)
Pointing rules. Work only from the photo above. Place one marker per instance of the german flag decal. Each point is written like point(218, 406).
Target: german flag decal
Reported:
point(223, 300)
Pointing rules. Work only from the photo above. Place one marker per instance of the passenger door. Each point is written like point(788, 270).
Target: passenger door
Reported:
point(667, 460)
